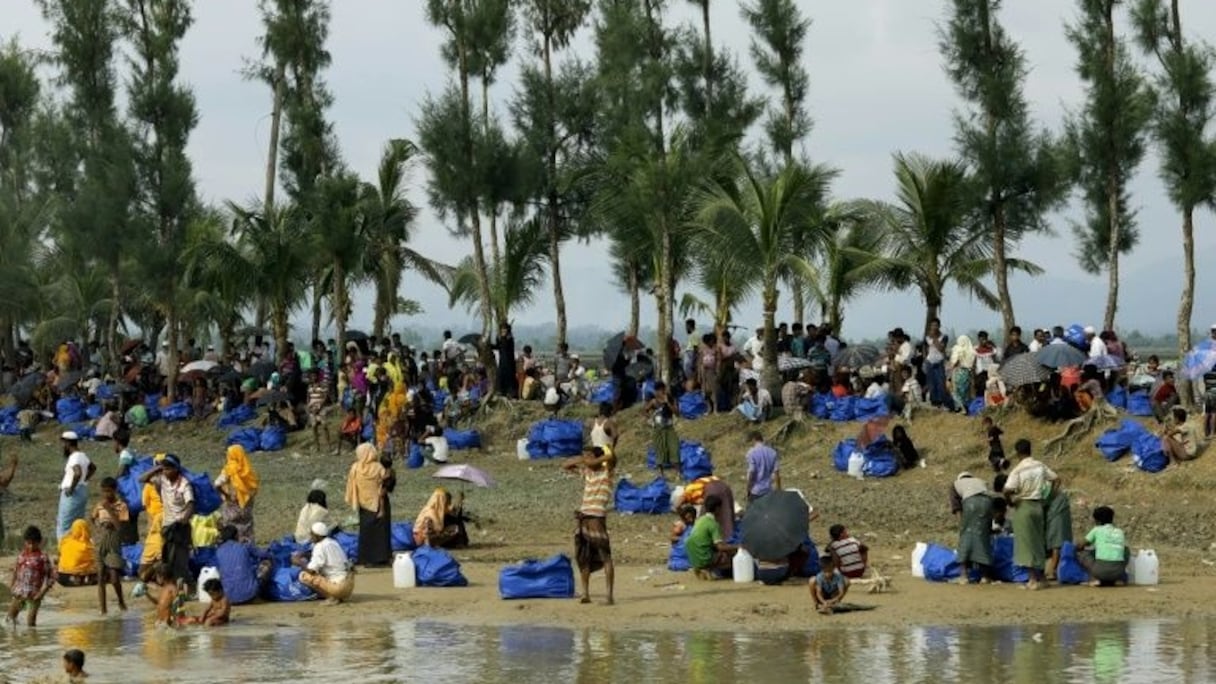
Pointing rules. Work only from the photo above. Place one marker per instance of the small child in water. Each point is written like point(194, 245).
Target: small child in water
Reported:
point(73, 665)
point(32, 578)
point(217, 614)
point(166, 596)
point(829, 587)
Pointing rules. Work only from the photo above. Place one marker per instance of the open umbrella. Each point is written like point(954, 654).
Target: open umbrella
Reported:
point(775, 525)
point(792, 363)
point(23, 390)
point(262, 370)
point(191, 376)
point(856, 356)
point(1106, 362)
point(273, 397)
point(465, 473)
point(612, 350)
point(230, 375)
point(130, 346)
point(640, 370)
point(472, 338)
point(1023, 369)
point(356, 336)
point(1060, 356)
point(203, 366)
point(68, 379)
point(1199, 361)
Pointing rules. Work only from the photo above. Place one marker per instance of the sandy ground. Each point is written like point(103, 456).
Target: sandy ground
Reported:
point(528, 515)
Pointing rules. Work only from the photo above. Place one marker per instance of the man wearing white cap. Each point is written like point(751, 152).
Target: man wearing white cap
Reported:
point(1096, 346)
point(73, 494)
point(327, 572)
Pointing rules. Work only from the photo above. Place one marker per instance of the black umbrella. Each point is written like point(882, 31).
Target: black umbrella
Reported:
point(68, 379)
point(640, 370)
point(273, 397)
point(775, 525)
point(356, 336)
point(1023, 369)
point(854, 357)
point(1060, 356)
point(612, 350)
point(230, 375)
point(472, 338)
point(262, 370)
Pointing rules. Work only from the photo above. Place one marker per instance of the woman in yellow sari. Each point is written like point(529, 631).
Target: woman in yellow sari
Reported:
point(77, 557)
point(392, 411)
point(153, 543)
point(238, 485)
point(440, 524)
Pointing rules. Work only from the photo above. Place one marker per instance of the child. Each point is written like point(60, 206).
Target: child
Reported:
point(165, 598)
point(73, 665)
point(996, 452)
point(1106, 561)
point(218, 612)
point(829, 587)
point(687, 516)
point(912, 395)
point(352, 429)
point(848, 554)
point(32, 578)
point(318, 396)
point(109, 517)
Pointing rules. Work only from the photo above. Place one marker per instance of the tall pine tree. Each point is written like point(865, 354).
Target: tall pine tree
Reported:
point(1181, 127)
point(162, 113)
point(1107, 140)
point(1016, 167)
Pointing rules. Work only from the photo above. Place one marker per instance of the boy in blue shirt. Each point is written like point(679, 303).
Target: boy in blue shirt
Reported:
point(829, 587)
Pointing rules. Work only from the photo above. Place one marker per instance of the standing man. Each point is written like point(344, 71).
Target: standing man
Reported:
point(592, 548)
point(1014, 344)
point(1024, 490)
point(935, 364)
point(177, 499)
point(763, 468)
point(690, 348)
point(73, 491)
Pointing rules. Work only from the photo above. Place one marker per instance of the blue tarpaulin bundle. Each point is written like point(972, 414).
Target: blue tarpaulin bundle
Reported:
point(651, 499)
point(695, 460)
point(238, 415)
point(437, 568)
point(533, 579)
point(693, 405)
point(462, 439)
point(555, 437)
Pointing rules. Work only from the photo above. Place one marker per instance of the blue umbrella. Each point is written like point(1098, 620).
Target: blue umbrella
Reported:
point(1199, 361)
point(1106, 362)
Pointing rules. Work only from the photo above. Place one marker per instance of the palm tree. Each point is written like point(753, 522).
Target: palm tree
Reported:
point(728, 280)
point(758, 221)
point(933, 236)
point(848, 263)
point(213, 296)
point(516, 279)
point(390, 222)
point(270, 256)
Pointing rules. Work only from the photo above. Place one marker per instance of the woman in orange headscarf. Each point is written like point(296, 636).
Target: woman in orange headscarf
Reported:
point(77, 557)
point(440, 523)
point(238, 485)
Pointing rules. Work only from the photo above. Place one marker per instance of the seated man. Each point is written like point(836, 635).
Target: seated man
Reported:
point(707, 551)
point(755, 402)
point(327, 572)
point(243, 569)
point(1165, 397)
point(1181, 440)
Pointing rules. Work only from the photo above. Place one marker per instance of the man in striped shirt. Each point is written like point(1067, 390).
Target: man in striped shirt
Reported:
point(592, 548)
point(851, 555)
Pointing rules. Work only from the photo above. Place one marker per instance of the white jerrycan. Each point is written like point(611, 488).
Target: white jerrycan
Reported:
point(1146, 569)
point(404, 573)
point(743, 567)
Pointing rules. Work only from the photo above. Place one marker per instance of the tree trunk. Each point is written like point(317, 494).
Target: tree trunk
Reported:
point(171, 323)
point(317, 296)
point(112, 329)
point(635, 302)
point(495, 254)
point(799, 299)
point(1002, 268)
point(664, 295)
point(708, 66)
point(933, 307)
point(836, 317)
point(479, 255)
point(340, 309)
point(1187, 301)
point(1112, 255)
point(272, 154)
point(769, 377)
point(555, 244)
point(279, 322)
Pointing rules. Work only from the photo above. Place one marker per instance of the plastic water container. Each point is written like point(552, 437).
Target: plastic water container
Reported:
point(918, 554)
point(1144, 568)
point(404, 574)
point(856, 462)
point(744, 567)
point(521, 449)
point(207, 573)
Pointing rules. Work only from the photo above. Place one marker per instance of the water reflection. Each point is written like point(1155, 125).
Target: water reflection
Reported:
point(126, 649)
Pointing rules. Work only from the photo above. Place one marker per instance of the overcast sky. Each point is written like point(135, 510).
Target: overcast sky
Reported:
point(877, 86)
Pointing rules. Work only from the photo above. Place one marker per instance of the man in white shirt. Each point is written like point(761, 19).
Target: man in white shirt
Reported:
point(327, 570)
point(1036, 343)
point(1096, 346)
point(438, 445)
point(177, 508)
point(162, 359)
point(576, 378)
point(754, 346)
point(73, 493)
point(452, 350)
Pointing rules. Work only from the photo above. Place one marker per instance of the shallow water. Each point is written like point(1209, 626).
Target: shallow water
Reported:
point(125, 650)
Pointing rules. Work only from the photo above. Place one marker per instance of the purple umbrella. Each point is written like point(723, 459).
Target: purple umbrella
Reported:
point(465, 473)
